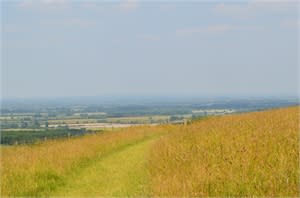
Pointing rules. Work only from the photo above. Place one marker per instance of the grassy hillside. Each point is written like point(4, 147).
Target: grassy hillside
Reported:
point(121, 173)
point(38, 170)
point(238, 155)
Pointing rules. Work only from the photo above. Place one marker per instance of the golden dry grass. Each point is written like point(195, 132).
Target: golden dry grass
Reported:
point(253, 154)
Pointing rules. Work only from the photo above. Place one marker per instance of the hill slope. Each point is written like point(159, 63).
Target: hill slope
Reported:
point(238, 155)
point(121, 173)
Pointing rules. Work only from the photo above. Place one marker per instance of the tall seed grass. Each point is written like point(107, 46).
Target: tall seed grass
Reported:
point(253, 154)
point(37, 170)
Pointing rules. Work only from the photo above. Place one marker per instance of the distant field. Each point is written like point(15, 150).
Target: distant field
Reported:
point(128, 119)
point(93, 126)
point(21, 122)
point(139, 118)
point(250, 154)
point(72, 121)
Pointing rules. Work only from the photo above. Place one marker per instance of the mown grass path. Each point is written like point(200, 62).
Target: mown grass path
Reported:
point(122, 172)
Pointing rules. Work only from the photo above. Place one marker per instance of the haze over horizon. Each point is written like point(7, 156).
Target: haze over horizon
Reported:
point(64, 48)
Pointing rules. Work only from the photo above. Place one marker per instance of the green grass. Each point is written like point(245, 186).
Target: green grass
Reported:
point(41, 169)
point(121, 173)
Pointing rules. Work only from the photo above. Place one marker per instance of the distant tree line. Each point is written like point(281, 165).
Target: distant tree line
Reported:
point(23, 137)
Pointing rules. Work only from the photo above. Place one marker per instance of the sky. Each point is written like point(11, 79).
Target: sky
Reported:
point(63, 48)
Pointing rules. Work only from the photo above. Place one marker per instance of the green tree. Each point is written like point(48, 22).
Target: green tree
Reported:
point(46, 125)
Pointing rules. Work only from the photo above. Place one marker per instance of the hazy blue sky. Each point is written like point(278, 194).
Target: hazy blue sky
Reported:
point(89, 48)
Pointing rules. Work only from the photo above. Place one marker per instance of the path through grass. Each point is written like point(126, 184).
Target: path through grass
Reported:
point(122, 172)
